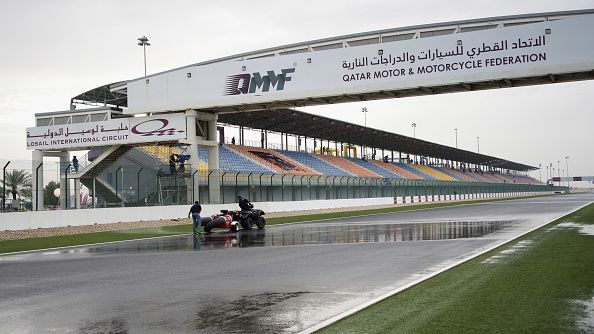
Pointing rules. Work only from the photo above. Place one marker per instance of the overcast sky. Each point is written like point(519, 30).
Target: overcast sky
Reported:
point(54, 50)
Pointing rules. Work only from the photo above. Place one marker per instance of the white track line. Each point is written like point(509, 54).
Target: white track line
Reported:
point(360, 307)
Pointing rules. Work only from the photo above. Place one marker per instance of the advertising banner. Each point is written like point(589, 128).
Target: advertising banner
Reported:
point(130, 130)
point(519, 51)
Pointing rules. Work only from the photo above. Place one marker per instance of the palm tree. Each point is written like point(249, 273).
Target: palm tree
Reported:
point(18, 182)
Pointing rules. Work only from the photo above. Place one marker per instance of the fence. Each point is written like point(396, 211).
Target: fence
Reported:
point(130, 182)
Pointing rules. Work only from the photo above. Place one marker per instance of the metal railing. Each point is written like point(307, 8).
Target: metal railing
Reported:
point(129, 182)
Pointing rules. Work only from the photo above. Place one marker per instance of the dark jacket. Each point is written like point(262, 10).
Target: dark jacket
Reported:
point(245, 204)
point(196, 208)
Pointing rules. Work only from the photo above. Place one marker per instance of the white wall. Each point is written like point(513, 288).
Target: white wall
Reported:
point(59, 218)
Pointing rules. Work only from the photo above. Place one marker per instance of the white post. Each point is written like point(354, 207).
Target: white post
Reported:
point(77, 193)
point(37, 181)
point(194, 179)
point(64, 161)
point(214, 189)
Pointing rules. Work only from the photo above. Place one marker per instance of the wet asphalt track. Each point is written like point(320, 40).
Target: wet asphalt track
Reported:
point(283, 279)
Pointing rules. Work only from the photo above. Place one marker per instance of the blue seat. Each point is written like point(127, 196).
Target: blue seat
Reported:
point(374, 168)
point(314, 163)
point(231, 161)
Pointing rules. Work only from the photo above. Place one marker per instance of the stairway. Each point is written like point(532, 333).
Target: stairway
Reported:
point(98, 165)
point(109, 156)
point(103, 190)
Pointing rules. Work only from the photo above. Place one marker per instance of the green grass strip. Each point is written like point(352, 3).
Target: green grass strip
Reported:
point(8, 246)
point(529, 291)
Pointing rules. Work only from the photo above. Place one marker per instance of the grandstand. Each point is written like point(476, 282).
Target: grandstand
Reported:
point(141, 174)
point(247, 159)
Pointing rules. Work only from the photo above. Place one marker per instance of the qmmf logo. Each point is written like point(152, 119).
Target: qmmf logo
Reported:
point(250, 83)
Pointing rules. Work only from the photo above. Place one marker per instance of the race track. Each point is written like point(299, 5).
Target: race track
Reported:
point(283, 279)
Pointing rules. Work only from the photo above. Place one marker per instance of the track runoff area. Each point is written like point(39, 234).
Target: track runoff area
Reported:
point(286, 278)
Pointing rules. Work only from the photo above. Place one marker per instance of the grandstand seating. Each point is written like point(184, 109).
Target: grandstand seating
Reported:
point(449, 172)
point(436, 174)
point(314, 163)
point(348, 166)
point(411, 169)
point(258, 160)
point(481, 177)
point(459, 174)
point(397, 170)
point(470, 176)
point(229, 160)
point(163, 152)
point(374, 168)
point(497, 178)
point(520, 179)
point(273, 160)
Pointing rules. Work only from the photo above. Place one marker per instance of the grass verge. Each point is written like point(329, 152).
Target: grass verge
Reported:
point(9, 246)
point(530, 289)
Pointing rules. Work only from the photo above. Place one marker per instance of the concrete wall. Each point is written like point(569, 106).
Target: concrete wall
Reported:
point(59, 218)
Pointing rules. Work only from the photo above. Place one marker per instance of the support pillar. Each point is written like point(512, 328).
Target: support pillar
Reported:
point(192, 183)
point(214, 190)
point(64, 162)
point(37, 181)
point(77, 193)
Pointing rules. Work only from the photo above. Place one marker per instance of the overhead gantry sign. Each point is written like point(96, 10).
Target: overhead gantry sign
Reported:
point(495, 55)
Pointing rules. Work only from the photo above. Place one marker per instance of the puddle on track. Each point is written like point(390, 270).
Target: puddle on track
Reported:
point(293, 235)
point(259, 313)
point(112, 326)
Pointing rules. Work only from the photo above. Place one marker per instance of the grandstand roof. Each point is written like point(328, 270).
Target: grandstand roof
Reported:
point(104, 95)
point(314, 126)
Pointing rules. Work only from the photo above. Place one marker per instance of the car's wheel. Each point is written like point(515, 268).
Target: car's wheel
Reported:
point(261, 223)
point(249, 223)
point(234, 228)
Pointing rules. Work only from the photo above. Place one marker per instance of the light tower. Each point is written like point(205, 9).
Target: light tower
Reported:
point(143, 41)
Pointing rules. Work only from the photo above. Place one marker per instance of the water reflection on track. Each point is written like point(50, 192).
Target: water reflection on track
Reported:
point(296, 235)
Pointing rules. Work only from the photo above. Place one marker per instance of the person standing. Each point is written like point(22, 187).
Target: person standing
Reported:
point(195, 211)
point(181, 158)
point(172, 161)
point(75, 164)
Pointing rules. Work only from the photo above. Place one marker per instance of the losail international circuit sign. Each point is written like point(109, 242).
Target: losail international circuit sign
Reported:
point(131, 130)
point(519, 51)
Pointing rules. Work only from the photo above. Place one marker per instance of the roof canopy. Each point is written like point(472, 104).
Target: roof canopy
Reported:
point(314, 126)
point(112, 95)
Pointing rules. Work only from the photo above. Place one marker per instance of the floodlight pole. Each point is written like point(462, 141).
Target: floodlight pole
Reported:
point(37, 188)
point(4, 186)
point(143, 41)
point(456, 130)
point(364, 111)
point(138, 186)
point(567, 169)
point(559, 171)
point(478, 144)
point(66, 186)
point(414, 126)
